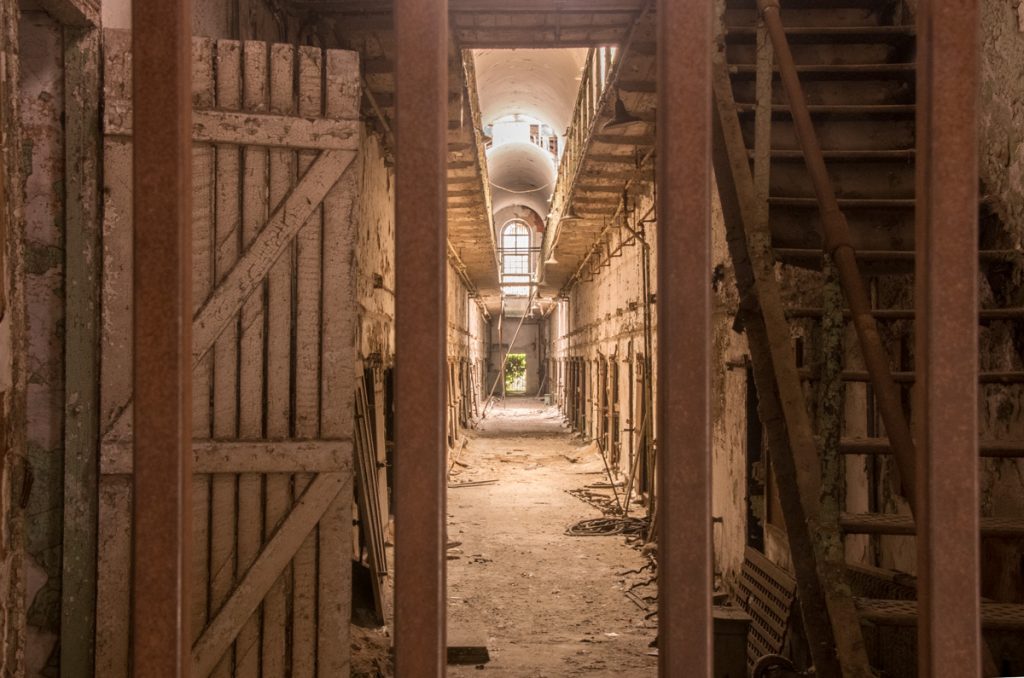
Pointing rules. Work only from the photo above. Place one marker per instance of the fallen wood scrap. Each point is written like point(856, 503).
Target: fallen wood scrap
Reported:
point(472, 483)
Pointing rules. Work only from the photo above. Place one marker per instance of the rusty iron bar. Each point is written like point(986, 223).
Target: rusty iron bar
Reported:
point(836, 233)
point(421, 39)
point(683, 416)
point(946, 302)
point(162, 338)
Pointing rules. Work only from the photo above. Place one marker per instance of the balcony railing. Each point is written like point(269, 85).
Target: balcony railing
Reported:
point(598, 74)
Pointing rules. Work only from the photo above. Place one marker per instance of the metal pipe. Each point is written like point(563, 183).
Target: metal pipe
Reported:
point(839, 246)
point(421, 39)
point(946, 356)
point(162, 338)
point(683, 517)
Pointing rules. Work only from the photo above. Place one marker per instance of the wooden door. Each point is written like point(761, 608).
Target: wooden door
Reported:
point(275, 135)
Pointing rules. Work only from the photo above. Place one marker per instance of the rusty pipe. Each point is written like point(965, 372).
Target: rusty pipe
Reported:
point(836, 233)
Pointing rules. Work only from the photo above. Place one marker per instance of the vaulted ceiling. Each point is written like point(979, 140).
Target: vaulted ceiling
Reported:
point(535, 80)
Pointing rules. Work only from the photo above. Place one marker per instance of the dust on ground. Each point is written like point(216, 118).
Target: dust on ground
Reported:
point(546, 604)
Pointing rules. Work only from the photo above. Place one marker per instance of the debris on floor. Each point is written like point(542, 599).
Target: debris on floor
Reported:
point(371, 653)
point(551, 605)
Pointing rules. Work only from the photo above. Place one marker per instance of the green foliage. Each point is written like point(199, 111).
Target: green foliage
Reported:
point(515, 370)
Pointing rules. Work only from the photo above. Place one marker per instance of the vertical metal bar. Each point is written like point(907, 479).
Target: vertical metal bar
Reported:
point(421, 37)
point(946, 343)
point(162, 356)
point(684, 310)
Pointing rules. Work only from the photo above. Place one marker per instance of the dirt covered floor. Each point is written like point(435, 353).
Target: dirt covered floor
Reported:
point(546, 604)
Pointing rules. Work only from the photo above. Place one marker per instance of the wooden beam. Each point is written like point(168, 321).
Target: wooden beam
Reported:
point(240, 456)
point(249, 129)
point(82, 348)
point(74, 13)
point(267, 567)
point(162, 338)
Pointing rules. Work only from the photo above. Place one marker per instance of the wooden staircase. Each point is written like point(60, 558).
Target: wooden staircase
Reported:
point(855, 62)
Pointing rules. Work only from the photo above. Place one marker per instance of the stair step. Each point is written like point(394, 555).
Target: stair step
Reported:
point(830, 34)
point(793, 155)
point(836, 71)
point(816, 4)
point(844, 203)
point(987, 256)
point(894, 524)
point(859, 376)
point(838, 110)
point(994, 616)
point(907, 313)
point(1004, 449)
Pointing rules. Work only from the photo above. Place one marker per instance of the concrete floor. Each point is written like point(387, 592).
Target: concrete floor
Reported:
point(546, 604)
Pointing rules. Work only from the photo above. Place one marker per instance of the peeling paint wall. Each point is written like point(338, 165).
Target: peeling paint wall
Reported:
point(605, 319)
point(1002, 110)
point(374, 256)
point(233, 19)
point(42, 104)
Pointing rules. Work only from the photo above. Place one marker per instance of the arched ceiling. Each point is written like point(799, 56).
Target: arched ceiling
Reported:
point(521, 174)
point(540, 83)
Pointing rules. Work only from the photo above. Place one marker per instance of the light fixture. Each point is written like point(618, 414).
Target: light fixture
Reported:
point(622, 118)
point(551, 261)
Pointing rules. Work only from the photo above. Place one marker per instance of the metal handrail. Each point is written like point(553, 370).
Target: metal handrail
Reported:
point(838, 245)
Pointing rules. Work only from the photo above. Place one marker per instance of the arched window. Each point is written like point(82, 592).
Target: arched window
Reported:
point(516, 259)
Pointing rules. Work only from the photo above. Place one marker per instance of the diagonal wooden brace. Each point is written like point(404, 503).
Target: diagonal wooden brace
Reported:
point(264, 571)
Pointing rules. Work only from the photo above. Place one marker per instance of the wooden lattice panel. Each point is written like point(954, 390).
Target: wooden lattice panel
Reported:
point(767, 593)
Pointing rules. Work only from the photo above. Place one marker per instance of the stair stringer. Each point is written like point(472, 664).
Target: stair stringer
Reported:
point(831, 621)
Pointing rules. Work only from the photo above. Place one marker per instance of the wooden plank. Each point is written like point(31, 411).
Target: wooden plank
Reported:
point(235, 456)
point(249, 129)
point(82, 350)
point(251, 346)
point(223, 490)
point(279, 343)
point(370, 517)
point(76, 13)
point(262, 251)
point(203, 181)
point(334, 596)
point(115, 339)
point(115, 569)
point(264, 570)
point(307, 373)
point(380, 444)
point(114, 509)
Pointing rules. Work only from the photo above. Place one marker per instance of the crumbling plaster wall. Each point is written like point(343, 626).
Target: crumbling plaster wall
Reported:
point(231, 19)
point(374, 256)
point(42, 105)
point(1002, 176)
point(467, 323)
point(605, 318)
